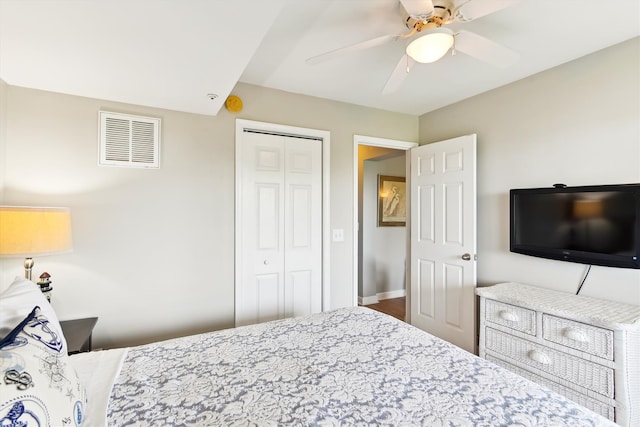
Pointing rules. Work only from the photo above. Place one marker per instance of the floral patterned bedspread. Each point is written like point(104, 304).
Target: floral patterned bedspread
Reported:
point(346, 367)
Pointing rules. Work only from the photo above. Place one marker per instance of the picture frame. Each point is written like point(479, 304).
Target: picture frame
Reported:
point(392, 201)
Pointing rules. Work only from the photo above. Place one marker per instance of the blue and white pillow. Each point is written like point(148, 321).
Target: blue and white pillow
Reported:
point(18, 300)
point(38, 385)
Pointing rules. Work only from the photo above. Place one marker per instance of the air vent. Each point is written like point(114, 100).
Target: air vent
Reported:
point(129, 141)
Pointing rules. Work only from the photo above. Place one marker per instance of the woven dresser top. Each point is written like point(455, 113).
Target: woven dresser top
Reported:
point(609, 314)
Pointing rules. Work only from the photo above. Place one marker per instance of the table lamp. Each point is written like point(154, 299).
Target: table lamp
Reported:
point(34, 231)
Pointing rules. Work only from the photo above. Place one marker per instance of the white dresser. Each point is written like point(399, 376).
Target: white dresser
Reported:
point(584, 348)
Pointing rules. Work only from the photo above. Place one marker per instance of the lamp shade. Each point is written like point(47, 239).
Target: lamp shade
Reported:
point(432, 46)
point(30, 231)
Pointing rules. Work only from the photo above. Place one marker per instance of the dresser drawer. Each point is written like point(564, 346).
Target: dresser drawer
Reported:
point(607, 411)
point(590, 339)
point(580, 372)
point(511, 316)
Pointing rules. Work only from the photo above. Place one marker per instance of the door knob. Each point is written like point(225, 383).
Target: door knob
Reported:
point(466, 257)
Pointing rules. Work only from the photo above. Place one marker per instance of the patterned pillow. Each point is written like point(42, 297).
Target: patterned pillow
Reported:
point(18, 300)
point(38, 385)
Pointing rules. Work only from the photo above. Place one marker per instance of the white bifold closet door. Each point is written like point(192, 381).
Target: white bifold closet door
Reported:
point(280, 230)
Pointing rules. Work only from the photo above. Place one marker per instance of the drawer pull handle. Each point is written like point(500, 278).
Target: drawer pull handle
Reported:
point(508, 315)
point(575, 334)
point(540, 357)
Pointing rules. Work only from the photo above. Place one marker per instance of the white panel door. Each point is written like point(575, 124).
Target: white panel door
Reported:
point(443, 240)
point(302, 227)
point(281, 228)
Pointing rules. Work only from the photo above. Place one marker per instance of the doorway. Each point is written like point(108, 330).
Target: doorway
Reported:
point(386, 148)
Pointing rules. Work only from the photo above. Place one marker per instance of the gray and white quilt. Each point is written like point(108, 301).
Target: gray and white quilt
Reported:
point(348, 367)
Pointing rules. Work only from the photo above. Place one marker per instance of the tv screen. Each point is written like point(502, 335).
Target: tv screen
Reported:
point(597, 225)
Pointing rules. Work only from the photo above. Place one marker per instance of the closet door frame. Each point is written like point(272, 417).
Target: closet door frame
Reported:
point(241, 126)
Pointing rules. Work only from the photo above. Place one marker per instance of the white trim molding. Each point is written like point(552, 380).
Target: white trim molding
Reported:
point(325, 136)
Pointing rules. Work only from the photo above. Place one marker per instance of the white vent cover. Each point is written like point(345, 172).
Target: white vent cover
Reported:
point(129, 141)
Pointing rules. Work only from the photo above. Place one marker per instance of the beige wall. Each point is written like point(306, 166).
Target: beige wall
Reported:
point(153, 249)
point(3, 126)
point(577, 124)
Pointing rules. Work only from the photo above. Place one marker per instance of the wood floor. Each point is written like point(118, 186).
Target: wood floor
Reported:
point(394, 307)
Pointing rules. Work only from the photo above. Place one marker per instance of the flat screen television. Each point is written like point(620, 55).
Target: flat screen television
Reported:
point(595, 225)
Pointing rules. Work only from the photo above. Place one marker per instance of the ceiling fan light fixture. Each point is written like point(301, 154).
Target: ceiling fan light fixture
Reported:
point(432, 46)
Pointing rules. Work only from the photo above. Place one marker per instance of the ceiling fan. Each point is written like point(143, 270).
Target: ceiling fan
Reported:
point(429, 19)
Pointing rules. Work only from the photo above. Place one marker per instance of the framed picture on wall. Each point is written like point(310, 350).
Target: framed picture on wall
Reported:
point(392, 201)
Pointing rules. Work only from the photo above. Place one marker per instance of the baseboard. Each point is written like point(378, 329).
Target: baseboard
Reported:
point(380, 296)
point(368, 300)
point(391, 294)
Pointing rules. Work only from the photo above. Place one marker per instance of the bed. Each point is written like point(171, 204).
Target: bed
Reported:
point(347, 367)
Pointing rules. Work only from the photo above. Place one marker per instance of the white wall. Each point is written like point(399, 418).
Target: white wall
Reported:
point(577, 124)
point(153, 249)
point(383, 248)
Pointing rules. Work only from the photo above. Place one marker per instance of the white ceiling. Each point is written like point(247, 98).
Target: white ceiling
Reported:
point(173, 53)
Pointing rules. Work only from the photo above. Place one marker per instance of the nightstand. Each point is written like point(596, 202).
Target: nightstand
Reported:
point(78, 332)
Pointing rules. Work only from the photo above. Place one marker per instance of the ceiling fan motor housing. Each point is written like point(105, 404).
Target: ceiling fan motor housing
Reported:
point(442, 15)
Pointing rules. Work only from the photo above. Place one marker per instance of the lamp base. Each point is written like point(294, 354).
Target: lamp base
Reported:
point(28, 265)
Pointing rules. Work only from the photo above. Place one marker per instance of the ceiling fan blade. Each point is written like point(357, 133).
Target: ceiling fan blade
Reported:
point(367, 44)
point(398, 74)
point(419, 9)
point(475, 9)
point(484, 49)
